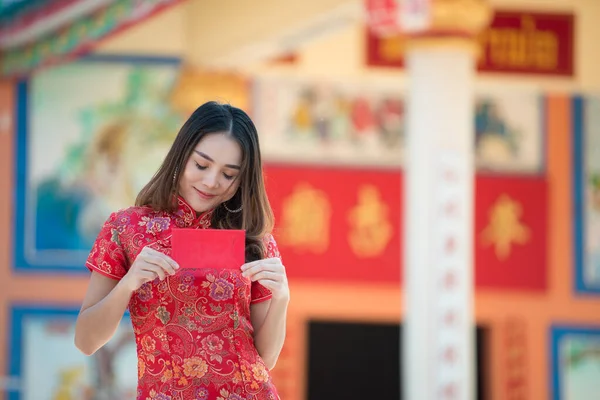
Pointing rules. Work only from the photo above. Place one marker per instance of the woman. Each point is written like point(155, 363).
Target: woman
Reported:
point(213, 335)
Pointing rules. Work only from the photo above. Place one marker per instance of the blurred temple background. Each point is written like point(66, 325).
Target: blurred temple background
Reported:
point(93, 92)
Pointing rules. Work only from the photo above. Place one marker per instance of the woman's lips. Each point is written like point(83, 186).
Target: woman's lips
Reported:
point(205, 196)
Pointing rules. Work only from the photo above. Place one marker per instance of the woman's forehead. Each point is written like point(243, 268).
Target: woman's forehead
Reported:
point(220, 148)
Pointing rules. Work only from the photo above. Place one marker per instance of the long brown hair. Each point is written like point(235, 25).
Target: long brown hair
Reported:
point(256, 217)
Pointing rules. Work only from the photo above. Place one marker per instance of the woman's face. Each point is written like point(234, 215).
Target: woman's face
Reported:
point(209, 176)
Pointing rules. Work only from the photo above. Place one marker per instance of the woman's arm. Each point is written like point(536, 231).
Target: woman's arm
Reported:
point(269, 322)
point(103, 307)
point(269, 317)
point(106, 299)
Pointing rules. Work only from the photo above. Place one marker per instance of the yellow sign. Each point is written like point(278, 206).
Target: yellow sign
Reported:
point(505, 228)
point(370, 228)
point(305, 219)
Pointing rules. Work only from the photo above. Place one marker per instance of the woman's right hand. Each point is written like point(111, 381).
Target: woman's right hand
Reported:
point(149, 265)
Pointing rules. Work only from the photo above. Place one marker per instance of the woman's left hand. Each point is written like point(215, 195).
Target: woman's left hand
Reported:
point(270, 273)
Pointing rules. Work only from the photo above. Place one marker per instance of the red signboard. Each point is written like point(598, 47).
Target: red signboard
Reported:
point(337, 224)
point(510, 232)
point(345, 225)
point(516, 42)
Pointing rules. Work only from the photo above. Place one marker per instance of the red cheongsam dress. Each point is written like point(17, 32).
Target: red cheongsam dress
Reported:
point(193, 332)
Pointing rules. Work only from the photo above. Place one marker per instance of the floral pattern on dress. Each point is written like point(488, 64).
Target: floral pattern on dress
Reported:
point(193, 331)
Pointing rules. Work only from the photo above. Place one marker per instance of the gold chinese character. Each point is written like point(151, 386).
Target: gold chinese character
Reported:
point(370, 230)
point(305, 219)
point(504, 227)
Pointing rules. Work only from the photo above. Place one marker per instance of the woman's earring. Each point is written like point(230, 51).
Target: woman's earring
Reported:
point(233, 211)
point(175, 176)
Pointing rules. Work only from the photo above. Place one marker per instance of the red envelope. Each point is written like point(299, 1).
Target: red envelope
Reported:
point(208, 248)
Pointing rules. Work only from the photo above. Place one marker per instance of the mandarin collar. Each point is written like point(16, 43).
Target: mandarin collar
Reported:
point(185, 216)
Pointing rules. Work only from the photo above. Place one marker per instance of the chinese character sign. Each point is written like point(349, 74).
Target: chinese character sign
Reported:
point(450, 273)
point(370, 229)
point(337, 224)
point(504, 228)
point(342, 224)
point(305, 219)
point(510, 232)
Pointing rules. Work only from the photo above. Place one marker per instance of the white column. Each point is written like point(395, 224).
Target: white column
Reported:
point(438, 329)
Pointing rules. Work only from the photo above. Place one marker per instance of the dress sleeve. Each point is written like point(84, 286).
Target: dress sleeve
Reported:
point(107, 256)
point(258, 292)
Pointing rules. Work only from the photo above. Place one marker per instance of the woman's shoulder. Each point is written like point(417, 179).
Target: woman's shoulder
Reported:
point(132, 215)
point(268, 238)
point(271, 248)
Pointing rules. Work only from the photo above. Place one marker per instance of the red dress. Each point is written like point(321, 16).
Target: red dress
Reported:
point(193, 332)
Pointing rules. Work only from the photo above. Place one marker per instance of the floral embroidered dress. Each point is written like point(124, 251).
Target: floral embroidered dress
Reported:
point(193, 332)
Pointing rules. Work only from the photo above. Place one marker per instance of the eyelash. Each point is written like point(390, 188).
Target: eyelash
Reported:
point(201, 168)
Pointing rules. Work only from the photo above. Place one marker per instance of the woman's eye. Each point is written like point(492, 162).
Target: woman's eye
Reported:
point(200, 166)
point(229, 177)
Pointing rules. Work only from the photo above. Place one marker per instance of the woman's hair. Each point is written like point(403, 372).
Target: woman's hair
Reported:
point(256, 217)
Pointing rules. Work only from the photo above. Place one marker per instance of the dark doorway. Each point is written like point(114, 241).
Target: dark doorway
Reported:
point(349, 360)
